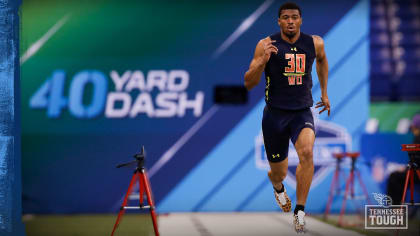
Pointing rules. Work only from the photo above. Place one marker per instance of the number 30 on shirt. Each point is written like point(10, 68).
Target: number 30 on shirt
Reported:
point(296, 68)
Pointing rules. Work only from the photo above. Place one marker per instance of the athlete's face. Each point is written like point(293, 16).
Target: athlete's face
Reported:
point(290, 22)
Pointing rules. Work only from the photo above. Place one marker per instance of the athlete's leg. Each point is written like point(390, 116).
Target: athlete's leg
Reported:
point(303, 137)
point(305, 169)
point(276, 141)
point(277, 173)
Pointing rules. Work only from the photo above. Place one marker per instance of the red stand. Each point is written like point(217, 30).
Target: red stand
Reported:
point(413, 153)
point(349, 183)
point(413, 149)
point(144, 186)
point(335, 182)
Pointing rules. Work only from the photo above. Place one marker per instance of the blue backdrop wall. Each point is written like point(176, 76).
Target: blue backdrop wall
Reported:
point(101, 79)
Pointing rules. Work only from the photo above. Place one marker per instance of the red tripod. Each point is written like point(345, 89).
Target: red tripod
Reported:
point(413, 166)
point(144, 186)
point(349, 183)
point(335, 182)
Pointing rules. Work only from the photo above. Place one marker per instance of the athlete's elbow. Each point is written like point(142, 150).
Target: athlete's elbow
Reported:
point(248, 85)
point(247, 81)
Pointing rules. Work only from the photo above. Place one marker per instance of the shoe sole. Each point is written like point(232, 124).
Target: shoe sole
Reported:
point(300, 229)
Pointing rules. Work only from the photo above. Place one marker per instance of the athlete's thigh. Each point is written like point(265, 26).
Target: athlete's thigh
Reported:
point(303, 131)
point(305, 139)
point(276, 135)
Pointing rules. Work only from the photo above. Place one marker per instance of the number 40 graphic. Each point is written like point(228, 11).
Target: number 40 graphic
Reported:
point(51, 94)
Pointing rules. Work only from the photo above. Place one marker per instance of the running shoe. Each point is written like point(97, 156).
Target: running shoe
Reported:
point(283, 200)
point(299, 222)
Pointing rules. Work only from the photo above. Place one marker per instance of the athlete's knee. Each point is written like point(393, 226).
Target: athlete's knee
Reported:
point(277, 177)
point(306, 156)
point(305, 152)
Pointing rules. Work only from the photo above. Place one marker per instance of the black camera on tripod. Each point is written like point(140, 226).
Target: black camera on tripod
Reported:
point(140, 157)
point(413, 151)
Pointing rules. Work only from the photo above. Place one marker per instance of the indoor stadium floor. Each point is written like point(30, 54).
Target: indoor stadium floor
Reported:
point(200, 224)
point(242, 224)
point(177, 224)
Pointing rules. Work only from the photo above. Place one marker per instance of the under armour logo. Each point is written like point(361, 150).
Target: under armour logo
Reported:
point(294, 49)
point(276, 155)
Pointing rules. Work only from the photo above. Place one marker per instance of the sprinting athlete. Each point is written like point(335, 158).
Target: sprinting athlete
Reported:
point(286, 59)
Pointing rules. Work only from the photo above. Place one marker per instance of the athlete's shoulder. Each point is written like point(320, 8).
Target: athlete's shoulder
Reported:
point(319, 46)
point(304, 35)
point(318, 41)
point(307, 39)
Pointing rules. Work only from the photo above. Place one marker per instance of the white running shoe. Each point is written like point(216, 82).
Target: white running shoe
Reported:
point(283, 200)
point(299, 222)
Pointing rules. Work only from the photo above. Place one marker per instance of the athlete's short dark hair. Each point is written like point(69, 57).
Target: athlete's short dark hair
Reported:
point(290, 5)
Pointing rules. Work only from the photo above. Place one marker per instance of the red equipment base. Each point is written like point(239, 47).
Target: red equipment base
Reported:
point(144, 186)
point(413, 149)
point(349, 190)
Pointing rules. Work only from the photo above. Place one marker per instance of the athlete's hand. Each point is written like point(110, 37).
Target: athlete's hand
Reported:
point(268, 49)
point(325, 103)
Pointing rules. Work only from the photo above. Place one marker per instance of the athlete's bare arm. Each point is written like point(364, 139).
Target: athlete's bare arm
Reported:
point(261, 56)
point(322, 71)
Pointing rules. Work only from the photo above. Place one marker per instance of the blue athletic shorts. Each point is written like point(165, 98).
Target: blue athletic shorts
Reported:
point(279, 126)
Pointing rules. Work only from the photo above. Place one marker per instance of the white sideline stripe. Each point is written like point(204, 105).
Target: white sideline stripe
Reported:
point(244, 26)
point(174, 149)
point(38, 44)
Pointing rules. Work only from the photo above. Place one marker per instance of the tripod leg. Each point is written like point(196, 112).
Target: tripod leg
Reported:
point(412, 186)
point(332, 188)
point(141, 190)
point(405, 185)
point(343, 206)
point(363, 187)
point(122, 210)
point(352, 185)
point(150, 200)
point(407, 177)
